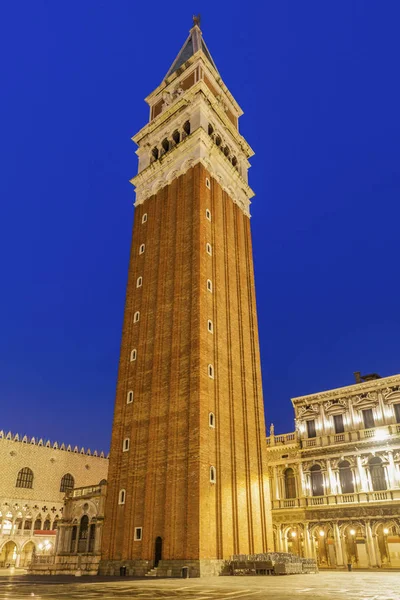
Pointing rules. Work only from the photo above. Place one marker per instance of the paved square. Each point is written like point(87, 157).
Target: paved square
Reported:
point(323, 586)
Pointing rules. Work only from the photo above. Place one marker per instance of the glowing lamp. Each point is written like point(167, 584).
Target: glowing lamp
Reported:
point(352, 532)
point(293, 534)
point(380, 435)
point(386, 531)
point(322, 533)
point(40, 546)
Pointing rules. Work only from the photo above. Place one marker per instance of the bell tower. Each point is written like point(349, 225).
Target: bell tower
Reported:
point(187, 481)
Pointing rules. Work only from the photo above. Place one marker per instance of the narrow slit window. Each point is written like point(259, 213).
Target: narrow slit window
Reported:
point(133, 355)
point(136, 316)
point(213, 475)
point(209, 285)
point(208, 215)
point(139, 282)
point(125, 445)
point(138, 534)
point(186, 128)
point(208, 184)
point(129, 397)
point(121, 498)
point(210, 326)
point(209, 249)
point(211, 419)
point(211, 371)
point(141, 249)
point(144, 218)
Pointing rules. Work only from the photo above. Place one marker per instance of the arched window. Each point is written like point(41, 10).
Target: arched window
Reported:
point(176, 136)
point(346, 477)
point(154, 153)
point(139, 282)
point(396, 408)
point(144, 218)
point(27, 525)
point(129, 397)
point(209, 285)
point(136, 316)
point(209, 249)
point(121, 497)
point(317, 481)
point(211, 419)
point(46, 525)
point(25, 478)
point(92, 537)
point(211, 371)
point(234, 161)
point(73, 538)
point(226, 151)
point(210, 129)
point(67, 483)
point(165, 145)
point(186, 128)
point(142, 248)
point(218, 140)
point(38, 524)
point(213, 475)
point(378, 478)
point(55, 523)
point(83, 534)
point(210, 326)
point(290, 483)
point(125, 445)
point(133, 354)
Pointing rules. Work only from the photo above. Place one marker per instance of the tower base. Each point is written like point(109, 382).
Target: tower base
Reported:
point(166, 568)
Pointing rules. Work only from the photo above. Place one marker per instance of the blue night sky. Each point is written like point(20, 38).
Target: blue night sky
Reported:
point(319, 85)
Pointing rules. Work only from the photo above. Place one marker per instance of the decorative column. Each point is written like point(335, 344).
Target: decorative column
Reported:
point(370, 542)
point(303, 491)
point(377, 550)
point(331, 478)
point(391, 470)
point(363, 484)
point(338, 545)
point(307, 542)
point(276, 484)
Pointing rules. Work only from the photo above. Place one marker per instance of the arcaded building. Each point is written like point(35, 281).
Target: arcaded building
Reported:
point(35, 476)
point(187, 484)
point(335, 480)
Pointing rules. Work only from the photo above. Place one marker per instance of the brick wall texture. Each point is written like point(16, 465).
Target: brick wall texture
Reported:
point(166, 472)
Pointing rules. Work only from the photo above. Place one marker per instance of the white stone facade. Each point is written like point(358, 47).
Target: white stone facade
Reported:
point(29, 514)
point(336, 480)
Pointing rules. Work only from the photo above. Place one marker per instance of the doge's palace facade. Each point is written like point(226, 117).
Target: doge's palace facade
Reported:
point(335, 480)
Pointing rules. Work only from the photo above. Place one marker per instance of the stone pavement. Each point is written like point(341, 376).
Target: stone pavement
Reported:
point(367, 585)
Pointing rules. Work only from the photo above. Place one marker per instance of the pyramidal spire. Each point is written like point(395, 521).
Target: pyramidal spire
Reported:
point(194, 43)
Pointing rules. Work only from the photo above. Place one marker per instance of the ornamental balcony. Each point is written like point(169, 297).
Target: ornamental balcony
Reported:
point(338, 499)
point(375, 434)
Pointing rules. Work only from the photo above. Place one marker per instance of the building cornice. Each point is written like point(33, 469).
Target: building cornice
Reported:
point(15, 437)
point(350, 390)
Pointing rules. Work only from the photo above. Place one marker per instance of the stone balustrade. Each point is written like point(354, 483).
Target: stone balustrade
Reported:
point(337, 499)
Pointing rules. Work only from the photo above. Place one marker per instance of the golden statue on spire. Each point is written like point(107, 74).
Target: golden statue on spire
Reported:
point(196, 20)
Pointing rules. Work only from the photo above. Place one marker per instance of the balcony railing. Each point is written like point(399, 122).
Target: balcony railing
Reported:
point(84, 491)
point(355, 435)
point(337, 499)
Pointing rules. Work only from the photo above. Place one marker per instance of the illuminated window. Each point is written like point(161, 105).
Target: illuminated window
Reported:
point(139, 282)
point(133, 354)
point(211, 419)
point(211, 371)
point(208, 184)
point(125, 445)
point(141, 249)
point(208, 215)
point(121, 497)
point(209, 285)
point(144, 218)
point(210, 326)
point(209, 249)
point(136, 316)
point(129, 398)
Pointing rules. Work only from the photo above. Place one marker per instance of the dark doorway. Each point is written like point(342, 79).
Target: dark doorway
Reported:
point(158, 551)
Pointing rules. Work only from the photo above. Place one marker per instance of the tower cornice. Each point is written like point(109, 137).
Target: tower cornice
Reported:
point(197, 148)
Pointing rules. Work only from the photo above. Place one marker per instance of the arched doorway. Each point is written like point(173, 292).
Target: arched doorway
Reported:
point(8, 555)
point(27, 554)
point(158, 551)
